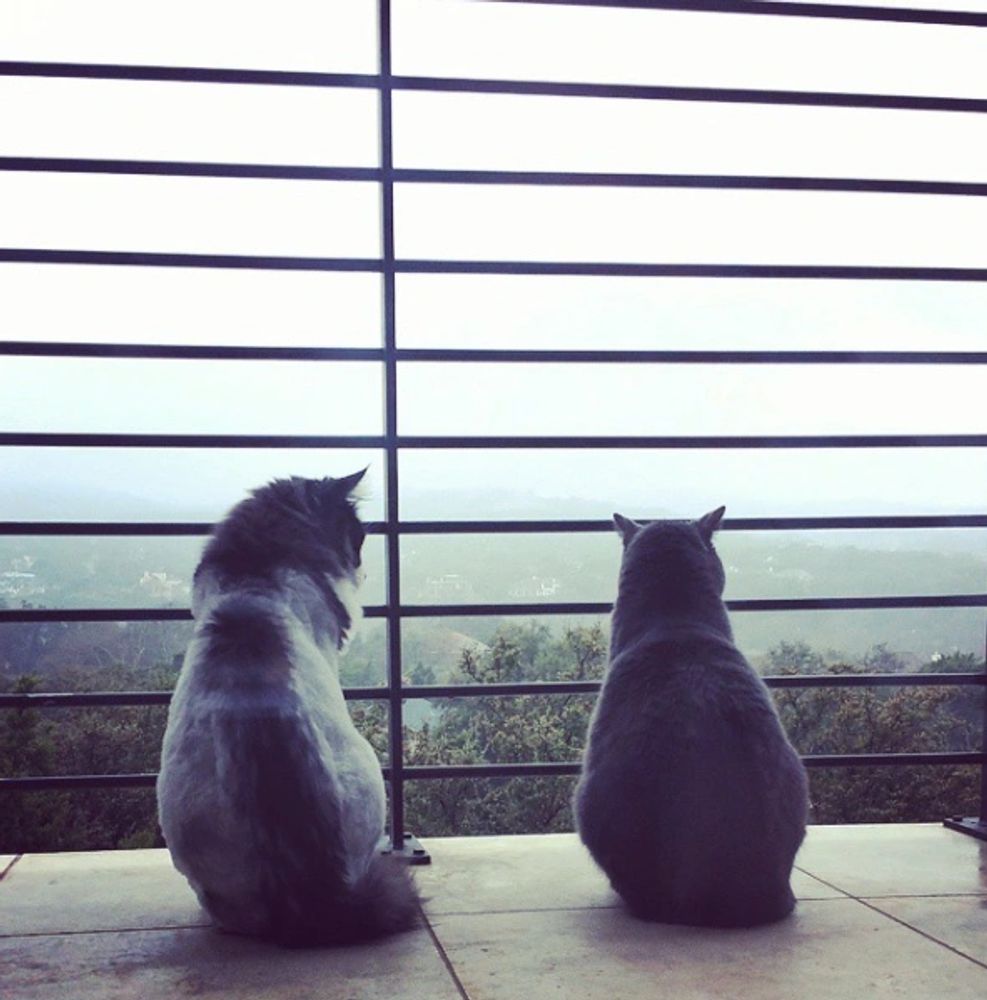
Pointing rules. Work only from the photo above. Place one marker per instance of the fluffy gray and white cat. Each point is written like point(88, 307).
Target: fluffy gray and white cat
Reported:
point(691, 798)
point(271, 802)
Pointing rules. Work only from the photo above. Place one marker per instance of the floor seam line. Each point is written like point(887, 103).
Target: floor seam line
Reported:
point(924, 895)
point(10, 866)
point(523, 909)
point(106, 930)
point(830, 885)
point(446, 961)
point(925, 934)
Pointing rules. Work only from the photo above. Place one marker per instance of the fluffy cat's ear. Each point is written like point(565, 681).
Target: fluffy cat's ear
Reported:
point(710, 523)
point(347, 484)
point(626, 528)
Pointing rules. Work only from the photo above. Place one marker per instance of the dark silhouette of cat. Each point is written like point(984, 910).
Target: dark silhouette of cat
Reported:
point(691, 799)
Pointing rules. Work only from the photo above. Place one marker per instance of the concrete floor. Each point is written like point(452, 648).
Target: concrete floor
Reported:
point(884, 911)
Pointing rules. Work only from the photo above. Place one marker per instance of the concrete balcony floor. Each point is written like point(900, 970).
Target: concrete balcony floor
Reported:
point(884, 911)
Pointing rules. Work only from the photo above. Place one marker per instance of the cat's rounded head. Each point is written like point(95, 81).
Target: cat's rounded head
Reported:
point(680, 553)
point(293, 523)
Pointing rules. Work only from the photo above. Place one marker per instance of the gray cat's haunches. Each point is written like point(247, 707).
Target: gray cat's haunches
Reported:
point(691, 799)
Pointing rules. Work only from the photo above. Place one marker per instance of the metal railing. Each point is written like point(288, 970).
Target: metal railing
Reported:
point(390, 356)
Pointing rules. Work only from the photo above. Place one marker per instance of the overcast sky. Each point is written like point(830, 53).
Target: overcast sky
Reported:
point(143, 120)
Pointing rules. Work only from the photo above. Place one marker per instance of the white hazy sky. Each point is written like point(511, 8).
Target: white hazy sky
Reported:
point(297, 125)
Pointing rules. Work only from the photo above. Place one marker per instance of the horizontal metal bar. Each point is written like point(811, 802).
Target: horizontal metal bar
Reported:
point(46, 440)
point(181, 168)
point(287, 78)
point(483, 355)
point(21, 615)
point(198, 528)
point(852, 522)
point(222, 352)
point(423, 175)
point(859, 603)
point(105, 528)
point(129, 528)
point(84, 699)
point(550, 769)
point(779, 271)
point(535, 769)
point(118, 699)
point(975, 758)
point(758, 442)
point(77, 782)
point(114, 258)
point(89, 699)
point(741, 605)
point(24, 615)
point(719, 182)
point(841, 12)
point(122, 258)
point(714, 95)
point(79, 349)
point(188, 74)
point(974, 679)
point(27, 615)
point(474, 771)
point(536, 688)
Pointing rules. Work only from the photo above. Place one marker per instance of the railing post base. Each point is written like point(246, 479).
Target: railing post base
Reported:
point(411, 850)
point(969, 825)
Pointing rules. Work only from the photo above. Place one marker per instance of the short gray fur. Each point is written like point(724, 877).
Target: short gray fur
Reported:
point(691, 799)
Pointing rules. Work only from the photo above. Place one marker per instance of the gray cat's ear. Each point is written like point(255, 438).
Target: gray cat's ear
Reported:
point(710, 523)
point(626, 528)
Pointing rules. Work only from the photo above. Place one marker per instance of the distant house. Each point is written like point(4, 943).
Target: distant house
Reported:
point(536, 586)
point(19, 584)
point(162, 587)
point(449, 586)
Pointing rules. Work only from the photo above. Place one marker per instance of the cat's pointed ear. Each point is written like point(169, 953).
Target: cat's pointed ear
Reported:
point(626, 528)
point(347, 484)
point(710, 523)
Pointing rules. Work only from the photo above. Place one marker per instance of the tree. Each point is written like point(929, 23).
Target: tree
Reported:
point(479, 730)
point(507, 730)
point(871, 720)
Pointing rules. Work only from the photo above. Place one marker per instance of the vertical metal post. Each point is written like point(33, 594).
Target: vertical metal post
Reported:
point(976, 826)
point(982, 825)
point(395, 703)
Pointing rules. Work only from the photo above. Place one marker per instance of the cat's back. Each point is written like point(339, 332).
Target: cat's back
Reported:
point(691, 798)
point(256, 767)
point(683, 721)
point(253, 676)
point(680, 685)
point(236, 690)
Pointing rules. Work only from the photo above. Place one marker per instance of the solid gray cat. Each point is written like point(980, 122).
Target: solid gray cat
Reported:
point(271, 802)
point(691, 799)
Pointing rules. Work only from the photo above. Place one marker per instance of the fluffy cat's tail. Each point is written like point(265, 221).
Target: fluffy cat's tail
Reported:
point(383, 902)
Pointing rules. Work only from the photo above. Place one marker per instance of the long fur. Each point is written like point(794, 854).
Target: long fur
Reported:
point(271, 802)
point(691, 798)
